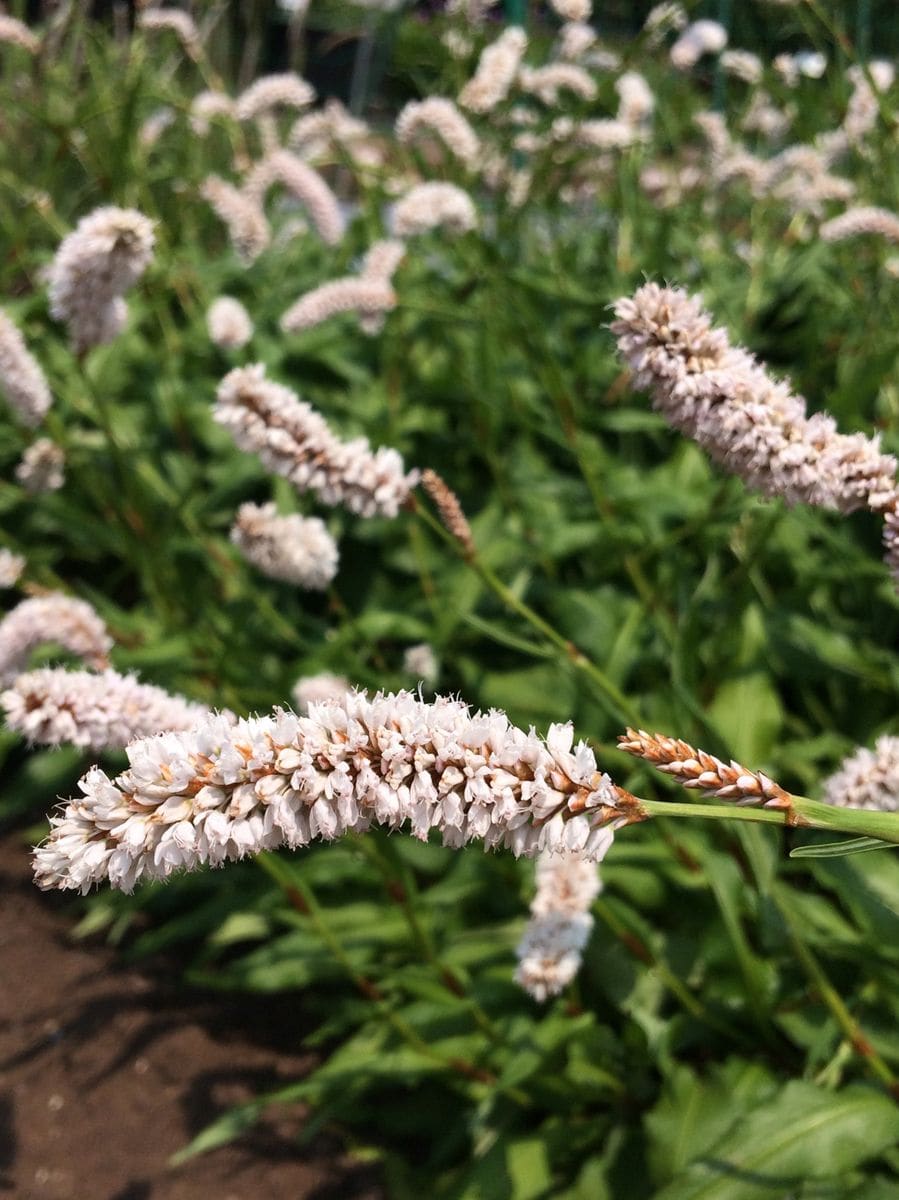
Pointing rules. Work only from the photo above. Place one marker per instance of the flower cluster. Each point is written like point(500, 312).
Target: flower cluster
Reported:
point(11, 567)
point(295, 549)
point(42, 467)
point(437, 115)
point(549, 953)
point(176, 21)
point(225, 790)
point(496, 71)
point(702, 37)
point(855, 222)
point(230, 325)
point(434, 205)
point(108, 252)
point(694, 768)
point(421, 661)
point(21, 378)
point(369, 297)
point(55, 618)
point(293, 440)
point(102, 711)
point(247, 225)
point(753, 425)
point(867, 778)
point(273, 91)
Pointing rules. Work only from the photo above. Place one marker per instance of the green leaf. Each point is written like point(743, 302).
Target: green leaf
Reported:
point(805, 1133)
point(838, 849)
point(747, 713)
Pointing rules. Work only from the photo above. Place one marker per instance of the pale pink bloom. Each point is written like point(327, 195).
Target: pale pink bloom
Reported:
point(572, 10)
point(42, 467)
point(867, 778)
point(16, 33)
point(292, 548)
point(575, 39)
point(421, 661)
point(742, 64)
point(434, 205)
point(102, 711)
point(365, 296)
point(223, 790)
point(496, 71)
point(176, 21)
point(57, 619)
point(856, 222)
point(549, 953)
point(248, 228)
point(205, 107)
point(229, 324)
point(273, 91)
point(305, 184)
point(11, 567)
point(437, 115)
point(753, 425)
point(547, 82)
point(105, 255)
point(293, 440)
point(22, 381)
point(702, 37)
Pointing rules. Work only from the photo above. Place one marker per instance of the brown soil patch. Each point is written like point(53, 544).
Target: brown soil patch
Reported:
point(106, 1071)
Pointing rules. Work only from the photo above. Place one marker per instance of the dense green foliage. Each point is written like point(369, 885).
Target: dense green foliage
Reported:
point(733, 1031)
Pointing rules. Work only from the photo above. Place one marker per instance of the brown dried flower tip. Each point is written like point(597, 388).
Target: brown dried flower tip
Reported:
point(449, 509)
point(694, 768)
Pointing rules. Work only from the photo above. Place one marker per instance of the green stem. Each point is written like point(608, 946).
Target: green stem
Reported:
point(804, 814)
point(844, 1018)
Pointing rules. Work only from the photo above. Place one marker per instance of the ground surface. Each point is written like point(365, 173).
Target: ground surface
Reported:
point(106, 1071)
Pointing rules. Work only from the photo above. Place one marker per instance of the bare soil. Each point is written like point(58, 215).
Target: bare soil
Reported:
point(106, 1071)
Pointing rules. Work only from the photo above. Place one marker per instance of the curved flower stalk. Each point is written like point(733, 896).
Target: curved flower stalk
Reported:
point(332, 131)
point(370, 297)
point(702, 37)
point(753, 425)
point(292, 548)
point(434, 205)
point(855, 222)
point(205, 107)
point(11, 567)
point(743, 65)
point(175, 20)
point(229, 324)
point(382, 259)
point(22, 381)
point(273, 91)
point(437, 115)
point(550, 950)
point(867, 778)
point(16, 33)
point(635, 99)
point(317, 689)
point(863, 110)
point(247, 225)
point(293, 440)
point(663, 18)
point(102, 711)
point(304, 183)
point(107, 252)
point(223, 791)
point(548, 81)
point(496, 71)
point(42, 467)
point(55, 618)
